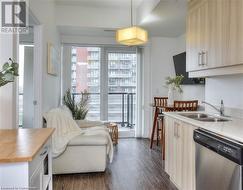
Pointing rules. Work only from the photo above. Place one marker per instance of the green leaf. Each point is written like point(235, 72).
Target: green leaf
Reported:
point(9, 77)
point(6, 66)
point(79, 109)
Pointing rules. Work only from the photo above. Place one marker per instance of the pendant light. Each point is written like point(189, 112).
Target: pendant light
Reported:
point(133, 35)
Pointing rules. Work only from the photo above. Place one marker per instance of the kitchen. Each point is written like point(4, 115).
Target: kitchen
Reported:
point(203, 150)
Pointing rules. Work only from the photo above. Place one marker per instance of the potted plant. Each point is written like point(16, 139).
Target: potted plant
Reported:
point(9, 72)
point(79, 109)
point(173, 84)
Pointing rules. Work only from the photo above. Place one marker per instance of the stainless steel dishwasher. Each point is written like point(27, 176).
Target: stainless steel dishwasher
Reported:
point(218, 162)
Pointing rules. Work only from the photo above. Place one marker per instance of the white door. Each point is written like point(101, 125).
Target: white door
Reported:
point(28, 98)
point(26, 86)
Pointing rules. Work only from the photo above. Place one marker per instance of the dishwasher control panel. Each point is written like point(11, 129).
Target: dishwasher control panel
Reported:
point(224, 147)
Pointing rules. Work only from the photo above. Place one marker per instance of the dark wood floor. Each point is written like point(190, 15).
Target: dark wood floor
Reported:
point(135, 167)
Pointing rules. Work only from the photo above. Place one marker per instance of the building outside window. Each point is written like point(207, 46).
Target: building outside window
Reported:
point(111, 72)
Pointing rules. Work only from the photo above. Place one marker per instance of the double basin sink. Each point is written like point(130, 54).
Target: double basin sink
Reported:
point(204, 117)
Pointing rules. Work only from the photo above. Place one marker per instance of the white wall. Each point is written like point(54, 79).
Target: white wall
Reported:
point(90, 40)
point(44, 11)
point(84, 16)
point(162, 65)
point(7, 92)
point(229, 89)
point(190, 92)
point(157, 66)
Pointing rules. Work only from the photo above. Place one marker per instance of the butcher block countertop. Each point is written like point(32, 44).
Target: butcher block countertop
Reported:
point(21, 145)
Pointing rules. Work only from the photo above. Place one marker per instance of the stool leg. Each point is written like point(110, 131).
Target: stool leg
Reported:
point(163, 138)
point(157, 133)
point(154, 126)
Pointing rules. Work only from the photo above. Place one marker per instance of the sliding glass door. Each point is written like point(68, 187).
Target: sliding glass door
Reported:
point(86, 77)
point(109, 75)
point(122, 68)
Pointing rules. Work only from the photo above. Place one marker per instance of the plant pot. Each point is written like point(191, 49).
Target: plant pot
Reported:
point(171, 96)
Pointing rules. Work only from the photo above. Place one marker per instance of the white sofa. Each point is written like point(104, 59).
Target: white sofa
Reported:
point(83, 154)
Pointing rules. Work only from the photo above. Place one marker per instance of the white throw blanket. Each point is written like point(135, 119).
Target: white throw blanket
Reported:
point(66, 129)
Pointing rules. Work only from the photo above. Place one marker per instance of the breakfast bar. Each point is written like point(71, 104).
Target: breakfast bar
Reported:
point(26, 155)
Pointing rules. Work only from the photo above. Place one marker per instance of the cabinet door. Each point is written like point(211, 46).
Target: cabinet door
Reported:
point(193, 40)
point(234, 44)
point(188, 158)
point(173, 154)
point(179, 152)
point(170, 152)
point(196, 35)
point(36, 178)
point(214, 34)
point(224, 33)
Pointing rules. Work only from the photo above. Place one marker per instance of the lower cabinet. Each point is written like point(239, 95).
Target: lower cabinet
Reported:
point(36, 174)
point(36, 179)
point(180, 153)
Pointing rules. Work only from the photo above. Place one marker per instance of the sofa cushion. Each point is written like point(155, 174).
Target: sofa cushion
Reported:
point(87, 123)
point(91, 140)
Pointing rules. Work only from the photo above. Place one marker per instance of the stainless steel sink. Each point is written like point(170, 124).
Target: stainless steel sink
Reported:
point(204, 117)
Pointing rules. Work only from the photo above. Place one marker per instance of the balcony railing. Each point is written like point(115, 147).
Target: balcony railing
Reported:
point(121, 107)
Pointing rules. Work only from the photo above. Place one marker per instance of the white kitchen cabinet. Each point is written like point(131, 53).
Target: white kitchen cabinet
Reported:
point(180, 153)
point(196, 35)
point(214, 37)
point(34, 174)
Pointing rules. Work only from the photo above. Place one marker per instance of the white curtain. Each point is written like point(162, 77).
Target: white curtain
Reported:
point(139, 127)
point(144, 109)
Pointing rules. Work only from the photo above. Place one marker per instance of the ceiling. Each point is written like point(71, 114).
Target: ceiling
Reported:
point(86, 31)
point(167, 19)
point(100, 3)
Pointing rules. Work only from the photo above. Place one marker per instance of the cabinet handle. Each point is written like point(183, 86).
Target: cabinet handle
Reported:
point(176, 130)
point(200, 58)
point(204, 58)
point(43, 153)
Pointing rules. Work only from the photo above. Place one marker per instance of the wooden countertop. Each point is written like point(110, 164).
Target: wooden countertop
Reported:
point(21, 145)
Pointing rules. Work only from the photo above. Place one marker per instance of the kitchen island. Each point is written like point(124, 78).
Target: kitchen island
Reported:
point(25, 159)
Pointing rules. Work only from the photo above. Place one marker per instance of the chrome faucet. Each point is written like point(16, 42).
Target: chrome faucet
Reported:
point(220, 110)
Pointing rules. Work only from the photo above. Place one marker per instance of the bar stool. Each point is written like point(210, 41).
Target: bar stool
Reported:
point(159, 104)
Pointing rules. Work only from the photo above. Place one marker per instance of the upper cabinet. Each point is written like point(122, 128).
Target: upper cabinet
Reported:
point(214, 37)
